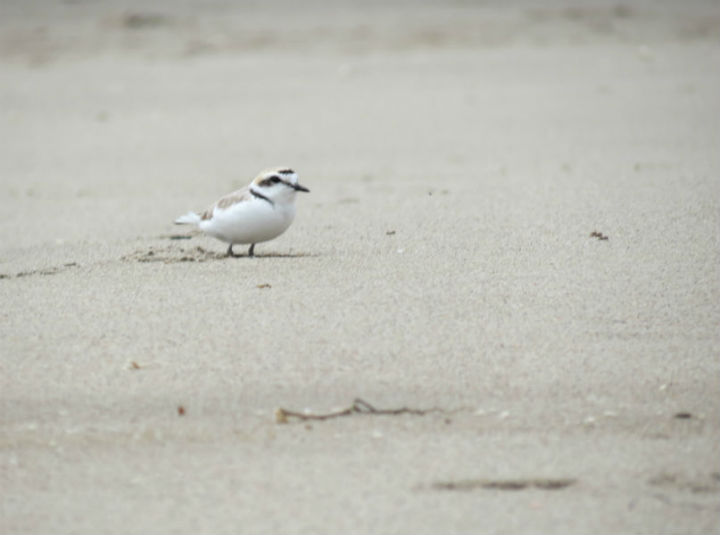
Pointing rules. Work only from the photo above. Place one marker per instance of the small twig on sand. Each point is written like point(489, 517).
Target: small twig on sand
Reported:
point(359, 406)
point(504, 484)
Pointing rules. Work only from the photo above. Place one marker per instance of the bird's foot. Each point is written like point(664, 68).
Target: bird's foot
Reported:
point(230, 252)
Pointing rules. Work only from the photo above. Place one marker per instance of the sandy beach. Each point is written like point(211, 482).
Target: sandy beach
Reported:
point(510, 254)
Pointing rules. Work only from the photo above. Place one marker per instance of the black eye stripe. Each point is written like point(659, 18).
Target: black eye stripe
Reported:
point(269, 181)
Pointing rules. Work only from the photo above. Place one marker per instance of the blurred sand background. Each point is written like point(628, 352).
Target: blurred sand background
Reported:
point(460, 154)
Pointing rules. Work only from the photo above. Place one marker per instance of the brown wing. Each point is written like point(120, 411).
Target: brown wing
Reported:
point(235, 197)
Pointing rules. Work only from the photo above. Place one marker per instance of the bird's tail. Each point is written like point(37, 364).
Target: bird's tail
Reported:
point(189, 218)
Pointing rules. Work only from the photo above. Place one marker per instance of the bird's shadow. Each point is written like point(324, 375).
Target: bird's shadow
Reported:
point(275, 255)
point(172, 254)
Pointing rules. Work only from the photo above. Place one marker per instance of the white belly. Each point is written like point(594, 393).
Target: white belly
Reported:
point(252, 221)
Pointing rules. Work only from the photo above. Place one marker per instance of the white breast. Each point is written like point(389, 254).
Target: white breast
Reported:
point(251, 221)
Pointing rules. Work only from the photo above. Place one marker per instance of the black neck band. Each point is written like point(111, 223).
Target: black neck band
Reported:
point(261, 196)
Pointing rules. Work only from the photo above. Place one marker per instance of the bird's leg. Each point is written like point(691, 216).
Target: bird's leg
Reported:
point(230, 252)
point(251, 251)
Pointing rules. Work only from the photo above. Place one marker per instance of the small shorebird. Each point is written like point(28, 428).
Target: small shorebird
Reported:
point(257, 213)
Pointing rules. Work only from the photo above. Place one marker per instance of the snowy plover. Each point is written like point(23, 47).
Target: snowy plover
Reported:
point(257, 213)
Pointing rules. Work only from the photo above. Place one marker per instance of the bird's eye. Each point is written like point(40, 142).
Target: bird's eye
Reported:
point(274, 179)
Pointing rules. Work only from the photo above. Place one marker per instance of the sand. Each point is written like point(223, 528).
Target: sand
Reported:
point(460, 155)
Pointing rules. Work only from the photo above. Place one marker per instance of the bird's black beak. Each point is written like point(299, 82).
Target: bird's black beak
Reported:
point(298, 187)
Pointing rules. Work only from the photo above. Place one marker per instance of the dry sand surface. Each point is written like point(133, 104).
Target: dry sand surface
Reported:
point(460, 154)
